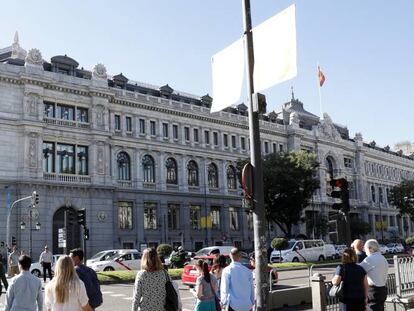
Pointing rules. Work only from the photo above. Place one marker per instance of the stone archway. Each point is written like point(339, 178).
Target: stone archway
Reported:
point(73, 229)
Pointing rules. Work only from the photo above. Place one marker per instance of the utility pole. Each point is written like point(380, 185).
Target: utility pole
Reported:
point(259, 227)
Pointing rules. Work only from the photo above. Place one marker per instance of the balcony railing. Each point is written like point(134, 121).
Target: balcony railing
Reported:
point(71, 123)
point(67, 178)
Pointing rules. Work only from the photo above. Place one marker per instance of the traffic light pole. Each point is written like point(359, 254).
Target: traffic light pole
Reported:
point(259, 227)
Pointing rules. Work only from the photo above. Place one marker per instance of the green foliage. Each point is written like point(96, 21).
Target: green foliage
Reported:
point(409, 240)
point(359, 228)
point(289, 181)
point(164, 250)
point(279, 243)
point(402, 196)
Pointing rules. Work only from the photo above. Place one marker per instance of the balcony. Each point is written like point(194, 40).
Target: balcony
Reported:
point(67, 178)
point(69, 123)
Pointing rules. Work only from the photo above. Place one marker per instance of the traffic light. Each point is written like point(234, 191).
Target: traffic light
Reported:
point(35, 198)
point(86, 234)
point(81, 217)
point(71, 218)
point(333, 226)
point(340, 192)
point(14, 242)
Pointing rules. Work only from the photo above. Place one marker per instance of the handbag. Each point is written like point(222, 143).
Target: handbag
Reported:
point(171, 298)
point(216, 300)
point(338, 290)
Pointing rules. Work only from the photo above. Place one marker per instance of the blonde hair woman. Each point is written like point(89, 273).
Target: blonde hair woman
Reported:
point(149, 290)
point(66, 291)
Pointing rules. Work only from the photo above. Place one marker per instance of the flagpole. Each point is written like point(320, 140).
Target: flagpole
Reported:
point(319, 91)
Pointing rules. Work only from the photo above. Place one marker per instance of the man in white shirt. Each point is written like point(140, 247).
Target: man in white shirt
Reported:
point(25, 290)
point(376, 267)
point(45, 260)
point(236, 290)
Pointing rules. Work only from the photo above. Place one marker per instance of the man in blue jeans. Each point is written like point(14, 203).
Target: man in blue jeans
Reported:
point(89, 278)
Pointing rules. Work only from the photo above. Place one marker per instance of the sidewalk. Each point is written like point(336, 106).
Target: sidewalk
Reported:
point(307, 307)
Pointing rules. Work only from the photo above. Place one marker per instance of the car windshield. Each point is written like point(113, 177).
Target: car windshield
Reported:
point(97, 255)
point(290, 245)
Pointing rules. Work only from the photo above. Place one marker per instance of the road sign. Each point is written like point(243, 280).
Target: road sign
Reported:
point(62, 237)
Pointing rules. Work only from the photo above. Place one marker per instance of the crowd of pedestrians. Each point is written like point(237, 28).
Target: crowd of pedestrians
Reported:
point(364, 273)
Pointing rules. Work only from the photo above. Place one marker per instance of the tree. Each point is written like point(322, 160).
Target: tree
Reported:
point(164, 250)
point(320, 223)
point(289, 180)
point(280, 244)
point(402, 196)
point(359, 228)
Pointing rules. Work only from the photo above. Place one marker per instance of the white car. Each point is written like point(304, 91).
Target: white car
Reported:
point(37, 269)
point(340, 249)
point(395, 248)
point(330, 251)
point(303, 250)
point(384, 249)
point(224, 250)
point(130, 260)
point(105, 255)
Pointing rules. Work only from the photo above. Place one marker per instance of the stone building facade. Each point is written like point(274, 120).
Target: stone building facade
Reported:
point(152, 165)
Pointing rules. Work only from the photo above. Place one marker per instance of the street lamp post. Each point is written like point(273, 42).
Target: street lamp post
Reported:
point(37, 228)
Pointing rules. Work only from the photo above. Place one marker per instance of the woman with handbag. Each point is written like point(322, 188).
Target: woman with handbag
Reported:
point(352, 293)
point(205, 289)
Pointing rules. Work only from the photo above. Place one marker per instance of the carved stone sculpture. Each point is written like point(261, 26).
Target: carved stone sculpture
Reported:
point(99, 71)
point(294, 119)
point(34, 57)
point(33, 153)
point(100, 161)
point(327, 129)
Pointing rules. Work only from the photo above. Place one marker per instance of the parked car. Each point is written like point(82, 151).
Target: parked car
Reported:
point(190, 273)
point(330, 252)
point(384, 249)
point(130, 260)
point(303, 250)
point(104, 255)
point(37, 269)
point(395, 248)
point(340, 249)
point(207, 250)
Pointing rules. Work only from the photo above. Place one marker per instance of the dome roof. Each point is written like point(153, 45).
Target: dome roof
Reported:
point(64, 60)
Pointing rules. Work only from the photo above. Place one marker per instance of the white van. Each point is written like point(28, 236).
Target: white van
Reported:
point(303, 250)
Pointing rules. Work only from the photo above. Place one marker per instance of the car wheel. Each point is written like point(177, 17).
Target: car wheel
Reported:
point(109, 269)
point(321, 258)
point(36, 272)
point(296, 259)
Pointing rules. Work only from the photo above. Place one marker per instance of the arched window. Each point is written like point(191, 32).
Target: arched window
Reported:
point(373, 193)
point(212, 176)
point(148, 167)
point(124, 166)
point(329, 167)
point(171, 166)
point(192, 169)
point(231, 177)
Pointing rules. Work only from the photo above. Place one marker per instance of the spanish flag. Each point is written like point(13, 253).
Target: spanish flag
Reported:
point(321, 77)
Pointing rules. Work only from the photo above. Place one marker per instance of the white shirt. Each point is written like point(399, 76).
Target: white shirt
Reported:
point(376, 267)
point(236, 287)
point(46, 256)
point(77, 298)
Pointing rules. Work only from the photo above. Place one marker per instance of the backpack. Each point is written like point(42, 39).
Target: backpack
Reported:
point(171, 299)
point(93, 288)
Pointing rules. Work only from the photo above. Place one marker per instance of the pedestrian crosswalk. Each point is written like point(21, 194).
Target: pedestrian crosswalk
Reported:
point(112, 294)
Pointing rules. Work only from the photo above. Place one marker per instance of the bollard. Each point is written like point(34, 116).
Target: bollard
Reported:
point(318, 292)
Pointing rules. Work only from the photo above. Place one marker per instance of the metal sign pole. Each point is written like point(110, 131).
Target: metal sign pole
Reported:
point(260, 245)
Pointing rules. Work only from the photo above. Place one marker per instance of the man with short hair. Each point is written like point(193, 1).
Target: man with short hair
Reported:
point(236, 289)
point(376, 267)
point(13, 262)
point(45, 260)
point(25, 290)
point(89, 278)
point(358, 246)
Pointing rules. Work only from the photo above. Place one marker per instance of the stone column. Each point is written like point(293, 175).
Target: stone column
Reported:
point(318, 292)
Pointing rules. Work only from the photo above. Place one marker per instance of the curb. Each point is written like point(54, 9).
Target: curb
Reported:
point(130, 281)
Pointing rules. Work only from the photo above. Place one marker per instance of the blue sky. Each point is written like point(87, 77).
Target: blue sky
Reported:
point(365, 48)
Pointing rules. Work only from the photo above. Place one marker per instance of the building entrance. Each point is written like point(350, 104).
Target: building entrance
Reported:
point(72, 229)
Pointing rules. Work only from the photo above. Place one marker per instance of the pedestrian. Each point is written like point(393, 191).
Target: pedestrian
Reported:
point(236, 289)
point(66, 291)
point(88, 277)
point(149, 289)
point(205, 289)
point(219, 264)
point(376, 267)
point(358, 246)
point(355, 284)
point(45, 260)
point(25, 290)
point(2, 275)
point(14, 262)
point(215, 252)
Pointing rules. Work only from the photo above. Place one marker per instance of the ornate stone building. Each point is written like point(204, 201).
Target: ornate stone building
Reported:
point(151, 164)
